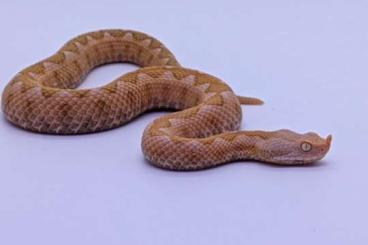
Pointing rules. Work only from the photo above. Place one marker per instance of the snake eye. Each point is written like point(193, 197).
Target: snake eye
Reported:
point(305, 146)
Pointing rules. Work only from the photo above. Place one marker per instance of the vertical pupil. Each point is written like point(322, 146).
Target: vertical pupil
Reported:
point(306, 147)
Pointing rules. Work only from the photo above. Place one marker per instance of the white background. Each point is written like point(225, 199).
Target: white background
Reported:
point(306, 59)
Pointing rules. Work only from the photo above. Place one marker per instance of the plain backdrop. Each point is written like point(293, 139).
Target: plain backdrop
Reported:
point(306, 59)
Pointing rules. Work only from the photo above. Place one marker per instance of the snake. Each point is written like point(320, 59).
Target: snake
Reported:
point(202, 130)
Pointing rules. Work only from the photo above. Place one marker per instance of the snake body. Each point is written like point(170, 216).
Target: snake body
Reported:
point(202, 133)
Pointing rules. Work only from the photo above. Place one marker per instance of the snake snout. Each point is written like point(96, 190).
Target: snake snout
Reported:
point(321, 148)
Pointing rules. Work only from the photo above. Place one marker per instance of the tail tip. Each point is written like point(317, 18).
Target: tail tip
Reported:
point(250, 101)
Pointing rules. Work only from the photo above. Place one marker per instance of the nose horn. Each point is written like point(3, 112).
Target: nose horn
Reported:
point(329, 139)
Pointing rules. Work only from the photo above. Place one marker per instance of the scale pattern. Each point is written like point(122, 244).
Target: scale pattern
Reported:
point(202, 134)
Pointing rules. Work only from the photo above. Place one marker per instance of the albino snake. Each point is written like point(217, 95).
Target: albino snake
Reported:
point(43, 98)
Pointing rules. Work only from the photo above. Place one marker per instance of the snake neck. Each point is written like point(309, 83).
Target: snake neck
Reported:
point(248, 145)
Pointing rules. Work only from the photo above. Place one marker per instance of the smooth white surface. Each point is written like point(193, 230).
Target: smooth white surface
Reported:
point(306, 59)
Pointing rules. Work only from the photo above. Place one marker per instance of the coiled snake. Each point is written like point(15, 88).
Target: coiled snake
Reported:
point(202, 134)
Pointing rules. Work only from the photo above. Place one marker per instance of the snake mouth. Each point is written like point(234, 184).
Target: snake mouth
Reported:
point(296, 161)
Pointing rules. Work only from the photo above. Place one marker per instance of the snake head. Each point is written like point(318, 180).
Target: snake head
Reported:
point(288, 147)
